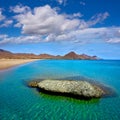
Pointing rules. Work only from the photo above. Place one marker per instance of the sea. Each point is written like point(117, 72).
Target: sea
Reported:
point(20, 102)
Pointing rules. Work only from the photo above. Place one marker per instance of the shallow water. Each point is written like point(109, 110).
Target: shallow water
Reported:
point(19, 102)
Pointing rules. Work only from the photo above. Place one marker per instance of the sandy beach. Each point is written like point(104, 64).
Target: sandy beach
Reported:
point(8, 63)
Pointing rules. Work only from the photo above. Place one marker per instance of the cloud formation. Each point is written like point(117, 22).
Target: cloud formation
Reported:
point(2, 17)
point(19, 40)
point(98, 18)
point(85, 36)
point(45, 24)
point(4, 22)
point(90, 35)
point(46, 20)
point(62, 2)
point(3, 36)
point(82, 3)
point(19, 9)
point(114, 40)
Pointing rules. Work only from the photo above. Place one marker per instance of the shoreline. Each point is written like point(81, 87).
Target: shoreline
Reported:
point(9, 63)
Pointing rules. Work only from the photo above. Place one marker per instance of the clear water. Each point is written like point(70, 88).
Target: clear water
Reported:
point(19, 102)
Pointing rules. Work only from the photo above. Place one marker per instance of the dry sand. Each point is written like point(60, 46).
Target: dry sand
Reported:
point(8, 63)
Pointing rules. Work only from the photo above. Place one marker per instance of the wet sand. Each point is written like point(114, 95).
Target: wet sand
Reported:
point(8, 63)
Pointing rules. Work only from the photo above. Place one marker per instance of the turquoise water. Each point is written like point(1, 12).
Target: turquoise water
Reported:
point(19, 102)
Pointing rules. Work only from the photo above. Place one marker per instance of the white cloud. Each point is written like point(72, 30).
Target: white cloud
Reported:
point(4, 39)
point(114, 40)
point(98, 18)
point(73, 16)
point(20, 9)
point(77, 15)
point(44, 24)
point(62, 2)
point(2, 17)
point(45, 20)
point(82, 3)
point(6, 23)
point(85, 36)
point(88, 35)
point(3, 36)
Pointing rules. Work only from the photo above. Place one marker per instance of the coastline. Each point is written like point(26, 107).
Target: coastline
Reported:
point(8, 63)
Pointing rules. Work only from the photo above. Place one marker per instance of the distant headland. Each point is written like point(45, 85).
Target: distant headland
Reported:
point(71, 55)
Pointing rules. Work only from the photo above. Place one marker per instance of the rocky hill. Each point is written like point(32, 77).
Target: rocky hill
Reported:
point(71, 55)
point(5, 54)
point(46, 56)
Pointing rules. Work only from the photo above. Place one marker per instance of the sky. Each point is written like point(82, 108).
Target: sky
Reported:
point(60, 26)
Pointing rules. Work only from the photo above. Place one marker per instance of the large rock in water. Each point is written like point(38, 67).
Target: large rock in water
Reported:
point(81, 89)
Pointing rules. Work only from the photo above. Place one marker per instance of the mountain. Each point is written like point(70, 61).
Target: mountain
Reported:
point(1, 51)
point(9, 55)
point(87, 57)
point(70, 55)
point(46, 56)
point(73, 55)
point(5, 54)
point(25, 56)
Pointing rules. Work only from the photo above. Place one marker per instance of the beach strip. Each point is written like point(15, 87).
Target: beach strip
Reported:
point(8, 63)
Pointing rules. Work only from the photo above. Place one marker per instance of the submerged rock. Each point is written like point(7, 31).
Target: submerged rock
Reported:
point(33, 84)
point(81, 89)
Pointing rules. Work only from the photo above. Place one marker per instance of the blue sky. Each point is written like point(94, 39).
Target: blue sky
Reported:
point(60, 26)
